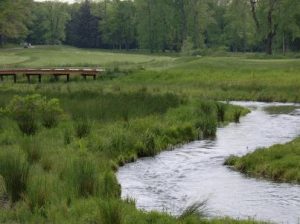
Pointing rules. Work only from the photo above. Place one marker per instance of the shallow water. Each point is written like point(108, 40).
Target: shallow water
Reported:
point(175, 179)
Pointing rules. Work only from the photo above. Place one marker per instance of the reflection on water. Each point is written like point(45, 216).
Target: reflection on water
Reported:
point(174, 179)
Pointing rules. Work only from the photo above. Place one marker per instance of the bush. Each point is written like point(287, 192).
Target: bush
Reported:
point(25, 111)
point(51, 112)
point(14, 168)
point(30, 110)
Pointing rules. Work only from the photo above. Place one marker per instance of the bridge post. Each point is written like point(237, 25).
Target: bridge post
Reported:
point(68, 77)
point(28, 78)
point(1, 78)
point(40, 78)
point(15, 78)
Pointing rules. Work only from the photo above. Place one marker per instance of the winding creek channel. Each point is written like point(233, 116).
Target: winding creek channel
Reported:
point(175, 179)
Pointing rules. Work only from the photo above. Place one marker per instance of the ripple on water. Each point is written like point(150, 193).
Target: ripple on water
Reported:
point(174, 179)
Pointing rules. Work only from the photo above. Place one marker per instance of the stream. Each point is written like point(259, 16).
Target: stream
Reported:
point(173, 180)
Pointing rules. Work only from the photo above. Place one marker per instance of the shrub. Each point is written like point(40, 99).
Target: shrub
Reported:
point(14, 169)
point(25, 111)
point(51, 112)
point(30, 110)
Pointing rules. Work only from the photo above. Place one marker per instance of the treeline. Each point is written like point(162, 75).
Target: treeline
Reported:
point(156, 25)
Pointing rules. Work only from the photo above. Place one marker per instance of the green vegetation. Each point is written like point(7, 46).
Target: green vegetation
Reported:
point(277, 163)
point(66, 166)
point(191, 27)
point(280, 109)
point(86, 129)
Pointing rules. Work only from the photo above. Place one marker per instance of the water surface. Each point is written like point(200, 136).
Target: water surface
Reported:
point(175, 179)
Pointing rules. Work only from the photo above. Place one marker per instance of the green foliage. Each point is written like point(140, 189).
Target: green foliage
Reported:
point(51, 112)
point(14, 16)
point(26, 111)
point(278, 163)
point(29, 110)
point(14, 169)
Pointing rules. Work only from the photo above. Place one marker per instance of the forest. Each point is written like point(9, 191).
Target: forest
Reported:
point(192, 27)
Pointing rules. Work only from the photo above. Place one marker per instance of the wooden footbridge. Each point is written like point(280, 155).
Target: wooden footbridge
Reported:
point(55, 72)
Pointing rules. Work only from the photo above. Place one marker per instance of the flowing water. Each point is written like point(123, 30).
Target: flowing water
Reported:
point(193, 172)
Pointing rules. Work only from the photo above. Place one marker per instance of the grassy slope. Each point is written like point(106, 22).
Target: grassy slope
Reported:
point(69, 56)
point(277, 163)
point(190, 78)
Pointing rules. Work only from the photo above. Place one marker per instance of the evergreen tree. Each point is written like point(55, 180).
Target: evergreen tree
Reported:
point(83, 29)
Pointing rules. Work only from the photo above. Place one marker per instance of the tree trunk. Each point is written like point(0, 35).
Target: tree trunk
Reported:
point(272, 30)
point(269, 49)
point(1, 40)
point(253, 11)
point(283, 44)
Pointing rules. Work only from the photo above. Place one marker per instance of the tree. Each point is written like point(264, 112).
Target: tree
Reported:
point(119, 25)
point(264, 14)
point(239, 29)
point(83, 28)
point(14, 18)
point(49, 23)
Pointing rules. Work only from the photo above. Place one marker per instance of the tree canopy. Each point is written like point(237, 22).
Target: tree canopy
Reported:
point(156, 25)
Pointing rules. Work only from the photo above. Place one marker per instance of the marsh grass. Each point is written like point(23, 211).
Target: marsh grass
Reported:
point(110, 187)
point(237, 115)
point(39, 192)
point(278, 163)
point(198, 209)
point(14, 169)
point(145, 104)
point(82, 128)
point(33, 148)
point(280, 109)
point(111, 212)
point(83, 177)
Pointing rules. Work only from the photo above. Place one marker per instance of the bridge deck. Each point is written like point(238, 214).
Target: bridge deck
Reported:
point(56, 72)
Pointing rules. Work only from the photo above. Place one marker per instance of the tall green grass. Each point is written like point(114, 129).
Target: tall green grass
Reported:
point(277, 163)
point(14, 168)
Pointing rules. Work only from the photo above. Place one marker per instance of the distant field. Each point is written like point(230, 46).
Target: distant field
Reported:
point(69, 56)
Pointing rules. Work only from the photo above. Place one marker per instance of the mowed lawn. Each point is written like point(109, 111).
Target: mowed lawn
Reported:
point(43, 56)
